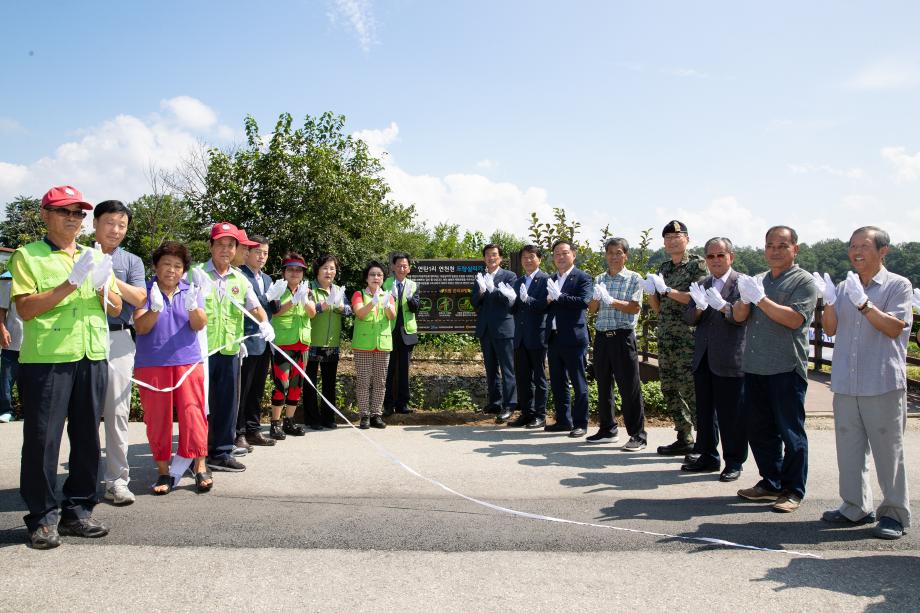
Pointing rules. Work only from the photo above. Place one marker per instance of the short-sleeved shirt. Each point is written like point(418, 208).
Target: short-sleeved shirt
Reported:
point(866, 361)
point(770, 348)
point(129, 269)
point(23, 281)
point(625, 285)
point(13, 322)
point(171, 341)
point(250, 302)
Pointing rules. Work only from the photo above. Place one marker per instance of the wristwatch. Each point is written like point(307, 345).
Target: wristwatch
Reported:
point(866, 307)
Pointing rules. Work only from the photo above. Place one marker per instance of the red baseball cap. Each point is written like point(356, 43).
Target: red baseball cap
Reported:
point(294, 262)
point(64, 195)
point(222, 229)
point(244, 240)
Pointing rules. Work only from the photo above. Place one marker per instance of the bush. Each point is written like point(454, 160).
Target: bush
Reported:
point(458, 400)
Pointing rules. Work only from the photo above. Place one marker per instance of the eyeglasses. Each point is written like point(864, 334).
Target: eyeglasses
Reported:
point(713, 256)
point(673, 237)
point(66, 212)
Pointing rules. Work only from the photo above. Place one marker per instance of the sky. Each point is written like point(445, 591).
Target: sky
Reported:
point(728, 116)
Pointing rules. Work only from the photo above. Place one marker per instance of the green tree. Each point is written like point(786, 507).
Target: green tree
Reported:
point(159, 217)
point(23, 223)
point(313, 189)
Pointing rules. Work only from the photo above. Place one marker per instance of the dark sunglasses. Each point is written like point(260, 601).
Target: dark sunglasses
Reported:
point(66, 212)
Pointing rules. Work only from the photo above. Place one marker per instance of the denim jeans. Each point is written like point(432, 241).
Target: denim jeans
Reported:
point(9, 366)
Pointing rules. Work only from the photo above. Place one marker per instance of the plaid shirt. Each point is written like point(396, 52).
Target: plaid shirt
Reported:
point(622, 286)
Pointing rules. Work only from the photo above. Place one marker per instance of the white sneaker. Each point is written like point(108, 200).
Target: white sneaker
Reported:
point(6, 418)
point(239, 452)
point(119, 495)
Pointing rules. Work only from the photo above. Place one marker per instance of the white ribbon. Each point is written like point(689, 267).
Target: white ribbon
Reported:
point(383, 451)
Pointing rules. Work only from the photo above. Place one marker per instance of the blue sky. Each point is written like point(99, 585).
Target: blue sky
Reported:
point(729, 116)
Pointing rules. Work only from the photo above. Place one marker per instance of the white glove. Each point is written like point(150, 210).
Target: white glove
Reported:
point(275, 290)
point(203, 280)
point(698, 294)
point(481, 282)
point(751, 289)
point(660, 286)
point(508, 292)
point(266, 330)
point(597, 292)
point(648, 285)
point(826, 287)
point(854, 289)
point(715, 299)
point(331, 298)
point(552, 288)
point(102, 272)
point(409, 291)
point(525, 298)
point(340, 299)
point(605, 296)
point(395, 292)
point(81, 268)
point(244, 353)
point(191, 297)
point(302, 295)
point(915, 298)
point(489, 278)
point(157, 304)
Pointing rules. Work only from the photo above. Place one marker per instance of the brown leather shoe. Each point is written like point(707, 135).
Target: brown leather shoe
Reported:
point(241, 442)
point(257, 439)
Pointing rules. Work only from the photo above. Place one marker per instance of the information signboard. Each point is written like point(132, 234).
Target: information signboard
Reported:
point(445, 291)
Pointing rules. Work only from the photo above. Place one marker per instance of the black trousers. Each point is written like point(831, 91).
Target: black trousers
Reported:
point(51, 394)
point(317, 412)
point(223, 403)
point(616, 359)
point(530, 377)
point(397, 390)
point(253, 374)
point(719, 413)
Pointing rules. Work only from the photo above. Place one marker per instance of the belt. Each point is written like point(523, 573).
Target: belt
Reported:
point(617, 332)
point(117, 327)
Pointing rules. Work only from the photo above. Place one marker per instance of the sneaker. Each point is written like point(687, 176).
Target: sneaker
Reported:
point(758, 493)
point(45, 537)
point(7, 418)
point(888, 529)
point(377, 422)
point(603, 436)
point(634, 444)
point(365, 422)
point(119, 494)
point(787, 503)
point(678, 447)
point(228, 465)
point(238, 452)
point(90, 528)
point(836, 517)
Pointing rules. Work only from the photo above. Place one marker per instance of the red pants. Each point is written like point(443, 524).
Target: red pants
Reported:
point(188, 400)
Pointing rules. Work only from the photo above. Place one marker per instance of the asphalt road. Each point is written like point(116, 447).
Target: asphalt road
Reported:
point(327, 523)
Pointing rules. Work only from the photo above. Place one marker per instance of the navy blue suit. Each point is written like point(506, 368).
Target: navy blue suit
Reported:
point(568, 346)
point(255, 367)
point(495, 331)
point(530, 346)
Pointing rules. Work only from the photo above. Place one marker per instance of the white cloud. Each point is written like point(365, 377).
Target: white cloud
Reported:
point(907, 165)
point(889, 74)
point(724, 216)
point(486, 164)
point(473, 201)
point(849, 173)
point(113, 159)
point(360, 17)
point(687, 73)
point(190, 112)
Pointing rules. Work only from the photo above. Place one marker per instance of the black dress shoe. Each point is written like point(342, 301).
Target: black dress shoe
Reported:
point(700, 467)
point(536, 423)
point(87, 528)
point(678, 447)
point(330, 425)
point(521, 421)
point(730, 474)
point(405, 410)
point(504, 416)
point(377, 422)
point(577, 432)
point(493, 410)
point(387, 411)
point(557, 427)
point(690, 458)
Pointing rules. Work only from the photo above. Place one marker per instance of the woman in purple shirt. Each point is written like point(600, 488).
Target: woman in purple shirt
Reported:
point(169, 358)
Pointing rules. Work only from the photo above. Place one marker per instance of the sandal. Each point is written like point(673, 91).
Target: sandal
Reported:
point(162, 480)
point(200, 479)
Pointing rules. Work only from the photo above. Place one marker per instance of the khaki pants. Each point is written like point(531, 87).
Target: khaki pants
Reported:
point(876, 423)
point(117, 406)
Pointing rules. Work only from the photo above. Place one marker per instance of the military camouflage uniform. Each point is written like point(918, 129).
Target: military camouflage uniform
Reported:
point(675, 343)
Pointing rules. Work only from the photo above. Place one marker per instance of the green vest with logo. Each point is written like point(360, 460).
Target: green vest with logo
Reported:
point(293, 325)
point(225, 321)
point(373, 330)
point(74, 328)
point(326, 327)
point(409, 323)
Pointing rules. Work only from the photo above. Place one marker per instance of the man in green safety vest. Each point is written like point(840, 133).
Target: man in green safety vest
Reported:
point(405, 334)
point(60, 292)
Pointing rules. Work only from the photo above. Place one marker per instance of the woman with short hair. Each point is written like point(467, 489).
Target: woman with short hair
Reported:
point(371, 343)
